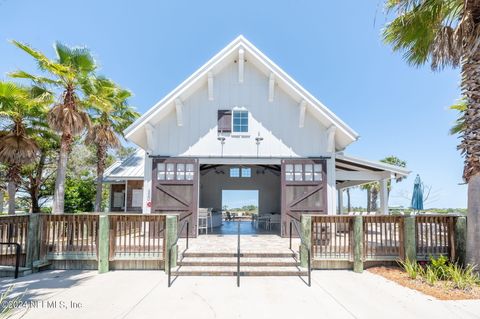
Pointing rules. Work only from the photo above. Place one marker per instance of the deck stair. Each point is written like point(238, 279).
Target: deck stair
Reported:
point(251, 264)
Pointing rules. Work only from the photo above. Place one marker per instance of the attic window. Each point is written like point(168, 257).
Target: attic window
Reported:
point(240, 121)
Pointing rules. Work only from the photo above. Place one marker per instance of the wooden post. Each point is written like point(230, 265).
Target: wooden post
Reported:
point(126, 196)
point(103, 244)
point(409, 238)
point(33, 240)
point(460, 239)
point(170, 237)
point(306, 233)
point(358, 244)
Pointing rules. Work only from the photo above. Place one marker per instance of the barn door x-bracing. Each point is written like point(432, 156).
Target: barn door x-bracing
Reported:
point(175, 188)
point(304, 189)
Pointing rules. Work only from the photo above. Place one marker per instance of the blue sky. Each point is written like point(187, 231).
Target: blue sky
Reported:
point(239, 198)
point(333, 49)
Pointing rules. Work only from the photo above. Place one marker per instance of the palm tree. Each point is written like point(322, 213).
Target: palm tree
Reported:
point(393, 160)
point(373, 188)
point(112, 116)
point(371, 202)
point(20, 110)
point(71, 68)
point(447, 33)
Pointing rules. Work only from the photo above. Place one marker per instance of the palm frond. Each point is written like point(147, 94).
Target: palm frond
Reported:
point(37, 79)
point(425, 29)
point(78, 58)
point(63, 71)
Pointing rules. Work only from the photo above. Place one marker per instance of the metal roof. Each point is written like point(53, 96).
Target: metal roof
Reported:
point(131, 168)
point(345, 160)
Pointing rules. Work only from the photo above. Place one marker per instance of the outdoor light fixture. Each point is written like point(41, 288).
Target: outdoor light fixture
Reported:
point(258, 140)
point(222, 141)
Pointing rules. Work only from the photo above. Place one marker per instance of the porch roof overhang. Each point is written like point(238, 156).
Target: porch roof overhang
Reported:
point(131, 168)
point(353, 171)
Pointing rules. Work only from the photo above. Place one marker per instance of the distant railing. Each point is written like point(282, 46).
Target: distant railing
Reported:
point(435, 236)
point(137, 236)
point(332, 237)
point(69, 236)
point(383, 237)
point(13, 229)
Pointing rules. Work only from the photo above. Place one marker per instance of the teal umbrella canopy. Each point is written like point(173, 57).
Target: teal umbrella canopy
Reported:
point(417, 196)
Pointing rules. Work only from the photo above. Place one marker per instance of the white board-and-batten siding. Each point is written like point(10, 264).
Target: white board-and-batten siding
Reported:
point(277, 122)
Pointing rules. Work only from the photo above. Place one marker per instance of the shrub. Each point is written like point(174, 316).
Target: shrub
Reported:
point(440, 267)
point(463, 278)
point(412, 268)
point(430, 275)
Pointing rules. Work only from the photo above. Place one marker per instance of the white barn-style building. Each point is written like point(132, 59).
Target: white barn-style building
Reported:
point(240, 122)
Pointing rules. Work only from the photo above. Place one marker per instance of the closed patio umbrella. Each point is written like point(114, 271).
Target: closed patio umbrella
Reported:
point(417, 196)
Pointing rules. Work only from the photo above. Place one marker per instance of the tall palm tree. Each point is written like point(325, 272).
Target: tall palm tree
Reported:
point(373, 188)
point(447, 33)
point(110, 118)
point(20, 109)
point(68, 117)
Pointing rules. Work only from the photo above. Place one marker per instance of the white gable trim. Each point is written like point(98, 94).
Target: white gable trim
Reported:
point(242, 44)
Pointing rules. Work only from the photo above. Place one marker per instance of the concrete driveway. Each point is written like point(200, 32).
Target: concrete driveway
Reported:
point(144, 294)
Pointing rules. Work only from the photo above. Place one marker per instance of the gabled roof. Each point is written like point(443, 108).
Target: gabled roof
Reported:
point(344, 134)
point(130, 168)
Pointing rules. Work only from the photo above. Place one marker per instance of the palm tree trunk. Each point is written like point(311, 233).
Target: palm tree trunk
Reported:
point(473, 226)
point(2, 199)
point(470, 146)
point(369, 200)
point(349, 206)
point(36, 183)
point(374, 197)
point(59, 194)
point(101, 153)
point(12, 189)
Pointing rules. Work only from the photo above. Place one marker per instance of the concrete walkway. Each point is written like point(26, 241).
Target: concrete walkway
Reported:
point(144, 294)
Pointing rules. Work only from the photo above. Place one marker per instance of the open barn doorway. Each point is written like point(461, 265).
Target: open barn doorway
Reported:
point(246, 194)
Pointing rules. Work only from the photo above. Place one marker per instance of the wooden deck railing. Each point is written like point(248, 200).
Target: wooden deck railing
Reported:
point(13, 229)
point(69, 236)
point(332, 237)
point(435, 236)
point(137, 237)
point(383, 237)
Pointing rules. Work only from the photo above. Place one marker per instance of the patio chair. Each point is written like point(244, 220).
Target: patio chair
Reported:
point(204, 215)
point(275, 219)
point(263, 219)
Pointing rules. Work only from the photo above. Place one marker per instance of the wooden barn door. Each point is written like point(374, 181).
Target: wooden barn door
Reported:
point(175, 188)
point(304, 189)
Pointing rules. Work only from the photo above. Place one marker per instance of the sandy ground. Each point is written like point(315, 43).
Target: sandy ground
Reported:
point(144, 294)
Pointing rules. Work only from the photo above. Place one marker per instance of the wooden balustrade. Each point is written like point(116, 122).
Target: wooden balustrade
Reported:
point(13, 229)
point(383, 237)
point(435, 236)
point(332, 237)
point(69, 236)
point(137, 237)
